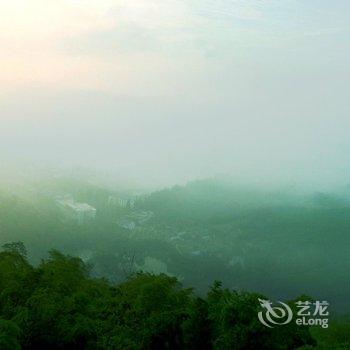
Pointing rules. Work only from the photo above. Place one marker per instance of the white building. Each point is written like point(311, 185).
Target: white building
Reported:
point(123, 202)
point(81, 212)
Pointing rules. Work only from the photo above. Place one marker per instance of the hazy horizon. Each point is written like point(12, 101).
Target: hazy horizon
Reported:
point(159, 93)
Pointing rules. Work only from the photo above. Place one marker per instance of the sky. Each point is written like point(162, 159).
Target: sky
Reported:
point(162, 92)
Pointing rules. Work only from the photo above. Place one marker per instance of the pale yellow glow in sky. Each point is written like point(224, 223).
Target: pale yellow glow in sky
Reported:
point(33, 35)
point(29, 31)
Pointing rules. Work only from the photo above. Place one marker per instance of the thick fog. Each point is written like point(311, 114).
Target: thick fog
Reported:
point(161, 92)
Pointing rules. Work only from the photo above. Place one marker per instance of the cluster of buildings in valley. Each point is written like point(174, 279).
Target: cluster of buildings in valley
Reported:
point(82, 212)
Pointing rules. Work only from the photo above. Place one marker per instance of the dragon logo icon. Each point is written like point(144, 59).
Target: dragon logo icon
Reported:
point(274, 315)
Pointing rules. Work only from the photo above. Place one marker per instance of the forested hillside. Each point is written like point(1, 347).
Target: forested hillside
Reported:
point(277, 242)
point(141, 273)
point(57, 305)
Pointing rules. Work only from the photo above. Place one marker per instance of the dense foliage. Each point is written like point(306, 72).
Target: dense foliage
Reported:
point(57, 305)
point(280, 243)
